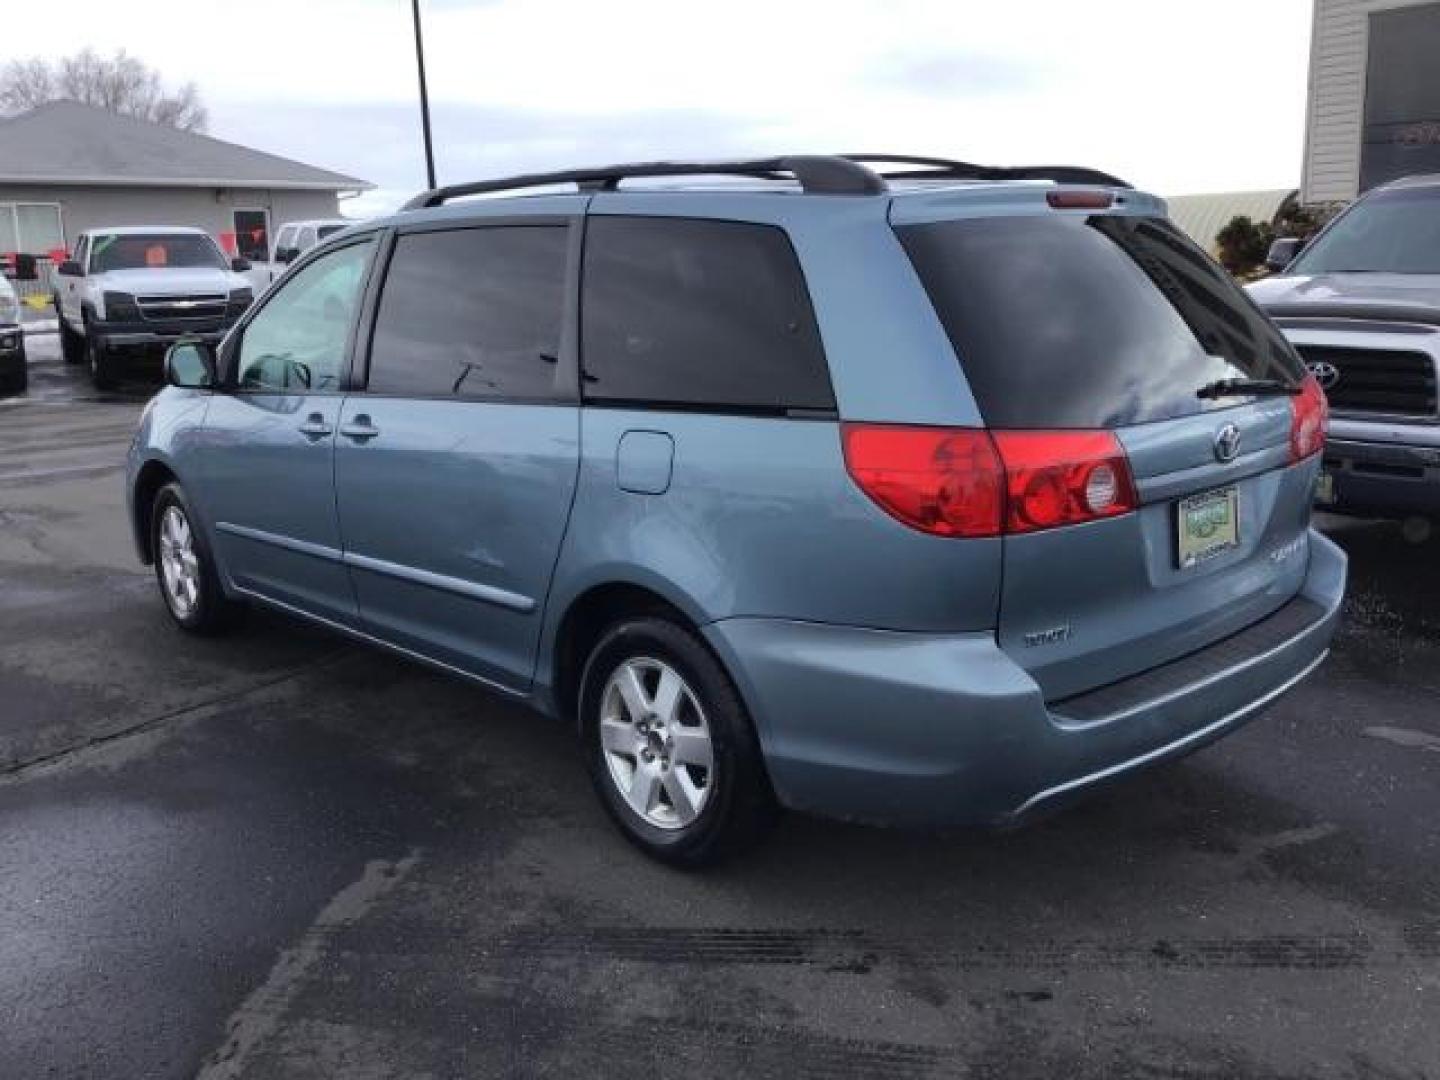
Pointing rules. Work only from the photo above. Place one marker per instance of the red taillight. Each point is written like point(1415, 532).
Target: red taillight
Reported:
point(1079, 200)
point(969, 482)
point(1063, 478)
point(1309, 420)
point(945, 481)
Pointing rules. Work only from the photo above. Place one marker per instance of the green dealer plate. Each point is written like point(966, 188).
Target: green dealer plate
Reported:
point(1208, 525)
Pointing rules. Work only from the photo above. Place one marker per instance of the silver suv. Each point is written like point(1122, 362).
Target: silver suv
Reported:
point(1362, 305)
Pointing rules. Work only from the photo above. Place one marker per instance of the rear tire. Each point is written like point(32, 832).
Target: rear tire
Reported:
point(185, 567)
point(72, 345)
point(669, 745)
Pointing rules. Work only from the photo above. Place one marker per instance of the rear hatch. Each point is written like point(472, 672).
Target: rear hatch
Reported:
point(1069, 321)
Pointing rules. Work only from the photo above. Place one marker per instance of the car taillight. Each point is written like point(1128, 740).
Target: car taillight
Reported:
point(971, 482)
point(945, 481)
point(1063, 478)
point(1309, 420)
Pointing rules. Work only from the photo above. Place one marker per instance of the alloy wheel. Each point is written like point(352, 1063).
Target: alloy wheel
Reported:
point(656, 743)
point(179, 563)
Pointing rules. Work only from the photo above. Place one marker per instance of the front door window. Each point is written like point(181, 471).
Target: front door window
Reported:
point(296, 343)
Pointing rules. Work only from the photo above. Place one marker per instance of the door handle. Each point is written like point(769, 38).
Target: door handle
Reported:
point(360, 428)
point(315, 427)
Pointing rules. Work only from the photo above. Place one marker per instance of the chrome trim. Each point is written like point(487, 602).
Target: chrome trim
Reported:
point(1169, 748)
point(470, 589)
point(370, 639)
point(303, 547)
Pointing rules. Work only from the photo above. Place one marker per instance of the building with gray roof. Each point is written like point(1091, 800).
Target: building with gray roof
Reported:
point(67, 167)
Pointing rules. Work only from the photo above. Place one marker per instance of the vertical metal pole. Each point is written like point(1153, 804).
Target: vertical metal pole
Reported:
point(424, 96)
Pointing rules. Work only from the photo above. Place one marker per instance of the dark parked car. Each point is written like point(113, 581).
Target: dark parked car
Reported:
point(13, 372)
point(1362, 305)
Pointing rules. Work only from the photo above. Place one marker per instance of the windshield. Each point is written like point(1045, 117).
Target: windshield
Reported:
point(1393, 232)
point(1071, 322)
point(330, 230)
point(153, 251)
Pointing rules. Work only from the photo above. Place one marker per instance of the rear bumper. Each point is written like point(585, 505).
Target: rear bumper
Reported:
point(1384, 478)
point(928, 730)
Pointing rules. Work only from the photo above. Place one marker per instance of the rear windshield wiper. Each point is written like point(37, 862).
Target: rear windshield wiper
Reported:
point(1234, 387)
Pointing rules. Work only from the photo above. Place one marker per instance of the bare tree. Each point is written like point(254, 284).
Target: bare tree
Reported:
point(120, 83)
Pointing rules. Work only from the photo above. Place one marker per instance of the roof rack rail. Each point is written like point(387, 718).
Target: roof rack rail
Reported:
point(817, 174)
point(933, 168)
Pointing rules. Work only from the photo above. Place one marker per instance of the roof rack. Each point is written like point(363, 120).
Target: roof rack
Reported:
point(817, 174)
point(932, 168)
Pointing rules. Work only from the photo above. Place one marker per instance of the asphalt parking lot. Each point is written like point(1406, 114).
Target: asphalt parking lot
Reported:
point(280, 855)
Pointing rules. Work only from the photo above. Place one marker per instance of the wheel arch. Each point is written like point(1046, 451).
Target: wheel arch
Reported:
point(586, 617)
point(153, 476)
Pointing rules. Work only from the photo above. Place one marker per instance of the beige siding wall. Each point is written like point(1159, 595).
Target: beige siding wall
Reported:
point(1336, 108)
point(84, 208)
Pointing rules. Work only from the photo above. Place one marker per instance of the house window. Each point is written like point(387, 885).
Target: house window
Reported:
point(1401, 136)
point(252, 234)
point(31, 228)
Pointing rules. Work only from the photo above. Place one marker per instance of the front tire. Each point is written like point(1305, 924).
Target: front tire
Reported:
point(185, 568)
point(669, 745)
point(72, 345)
point(101, 361)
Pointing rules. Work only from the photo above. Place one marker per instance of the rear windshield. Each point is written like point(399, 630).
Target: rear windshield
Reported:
point(132, 251)
point(1394, 232)
point(1106, 321)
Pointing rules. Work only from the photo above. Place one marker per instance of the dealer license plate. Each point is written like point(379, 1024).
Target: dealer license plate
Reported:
point(1208, 525)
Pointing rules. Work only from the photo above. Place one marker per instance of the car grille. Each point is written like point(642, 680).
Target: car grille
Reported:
point(1382, 381)
point(200, 307)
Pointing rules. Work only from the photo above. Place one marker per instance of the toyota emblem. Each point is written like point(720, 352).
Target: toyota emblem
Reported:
point(1227, 443)
point(1326, 373)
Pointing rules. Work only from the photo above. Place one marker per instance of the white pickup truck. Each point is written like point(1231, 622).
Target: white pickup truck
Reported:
point(129, 292)
point(292, 241)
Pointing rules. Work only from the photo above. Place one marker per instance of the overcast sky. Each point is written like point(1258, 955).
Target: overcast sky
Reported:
point(1177, 97)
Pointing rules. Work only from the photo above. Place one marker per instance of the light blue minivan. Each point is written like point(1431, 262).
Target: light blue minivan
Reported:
point(894, 489)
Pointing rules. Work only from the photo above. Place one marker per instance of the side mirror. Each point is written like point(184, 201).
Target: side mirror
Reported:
point(70, 268)
point(239, 265)
point(286, 254)
point(190, 364)
point(1283, 252)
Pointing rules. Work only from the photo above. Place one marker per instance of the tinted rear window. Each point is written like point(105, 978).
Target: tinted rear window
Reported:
point(698, 314)
point(1070, 322)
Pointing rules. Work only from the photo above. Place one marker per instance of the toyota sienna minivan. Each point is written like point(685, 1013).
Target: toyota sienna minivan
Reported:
point(894, 489)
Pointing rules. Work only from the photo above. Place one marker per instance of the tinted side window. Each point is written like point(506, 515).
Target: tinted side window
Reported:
point(471, 313)
point(698, 313)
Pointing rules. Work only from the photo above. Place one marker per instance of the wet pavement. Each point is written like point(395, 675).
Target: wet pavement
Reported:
point(279, 855)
